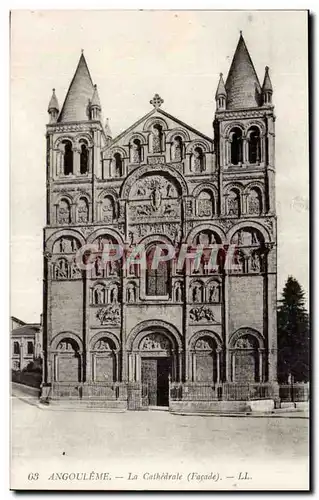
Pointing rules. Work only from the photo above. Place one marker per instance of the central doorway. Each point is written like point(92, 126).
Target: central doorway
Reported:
point(155, 372)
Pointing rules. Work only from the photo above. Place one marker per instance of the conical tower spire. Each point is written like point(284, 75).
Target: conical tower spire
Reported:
point(242, 84)
point(267, 87)
point(76, 104)
point(53, 108)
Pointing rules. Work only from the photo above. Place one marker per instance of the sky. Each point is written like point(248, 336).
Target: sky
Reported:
point(131, 56)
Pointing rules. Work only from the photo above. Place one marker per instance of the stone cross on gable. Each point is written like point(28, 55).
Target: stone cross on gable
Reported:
point(157, 101)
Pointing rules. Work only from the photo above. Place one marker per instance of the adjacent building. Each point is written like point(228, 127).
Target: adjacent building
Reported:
point(26, 343)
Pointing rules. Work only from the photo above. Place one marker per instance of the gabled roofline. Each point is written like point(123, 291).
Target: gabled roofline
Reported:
point(150, 113)
point(14, 318)
point(192, 129)
point(164, 113)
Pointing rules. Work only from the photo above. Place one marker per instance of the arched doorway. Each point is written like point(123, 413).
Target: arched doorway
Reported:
point(156, 367)
point(154, 359)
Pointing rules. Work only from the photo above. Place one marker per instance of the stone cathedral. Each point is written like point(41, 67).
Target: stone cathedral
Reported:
point(135, 337)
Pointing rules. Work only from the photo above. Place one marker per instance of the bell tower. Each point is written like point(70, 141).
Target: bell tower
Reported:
point(244, 128)
point(75, 136)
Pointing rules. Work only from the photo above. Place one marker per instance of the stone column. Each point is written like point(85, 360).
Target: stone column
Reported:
point(130, 368)
point(124, 358)
point(55, 377)
point(244, 204)
point(226, 325)
point(73, 212)
point(92, 367)
point(186, 308)
point(261, 363)
point(137, 367)
point(262, 149)
point(188, 374)
point(194, 366)
point(227, 155)
point(245, 159)
point(218, 365)
point(272, 327)
point(47, 324)
point(76, 161)
point(233, 366)
point(180, 354)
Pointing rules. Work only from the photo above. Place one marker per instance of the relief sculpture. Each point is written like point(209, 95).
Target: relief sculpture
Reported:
point(201, 313)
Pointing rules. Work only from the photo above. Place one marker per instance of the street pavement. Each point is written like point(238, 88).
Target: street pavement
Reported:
point(40, 436)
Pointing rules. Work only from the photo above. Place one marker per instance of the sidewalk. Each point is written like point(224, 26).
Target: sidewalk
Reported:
point(33, 400)
point(293, 413)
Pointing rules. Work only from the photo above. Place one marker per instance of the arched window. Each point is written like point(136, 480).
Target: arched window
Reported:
point(118, 165)
point(177, 149)
point(107, 209)
point(16, 348)
point(68, 158)
point(30, 348)
point(178, 292)
point(205, 204)
point(233, 203)
point(213, 292)
point(247, 236)
point(197, 292)
point(157, 280)
point(64, 212)
point(136, 151)
point(254, 145)
point(131, 293)
point(249, 257)
point(99, 295)
point(114, 294)
point(236, 146)
point(198, 160)
point(84, 159)
point(157, 137)
point(254, 202)
point(83, 210)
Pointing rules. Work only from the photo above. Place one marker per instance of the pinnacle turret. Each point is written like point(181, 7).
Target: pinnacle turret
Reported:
point(53, 108)
point(267, 90)
point(221, 94)
point(95, 105)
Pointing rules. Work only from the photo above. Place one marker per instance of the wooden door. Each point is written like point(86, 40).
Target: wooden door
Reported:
point(149, 378)
point(163, 371)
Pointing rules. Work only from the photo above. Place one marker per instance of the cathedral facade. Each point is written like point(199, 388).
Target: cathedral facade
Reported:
point(133, 335)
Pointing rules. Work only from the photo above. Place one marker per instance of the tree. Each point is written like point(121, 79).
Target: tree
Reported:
point(293, 334)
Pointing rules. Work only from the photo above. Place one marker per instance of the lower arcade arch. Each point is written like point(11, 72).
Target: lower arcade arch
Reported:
point(247, 356)
point(104, 358)
point(66, 358)
point(205, 357)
